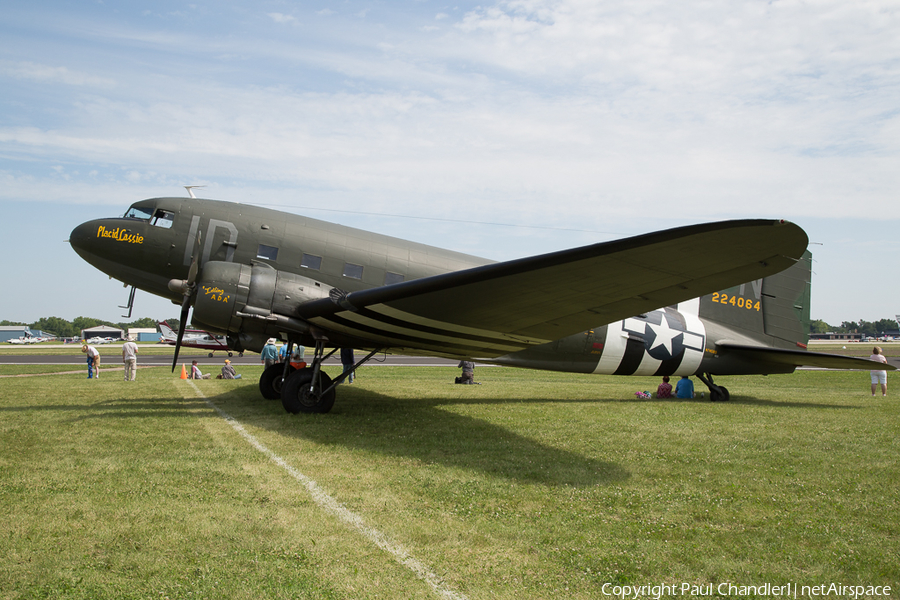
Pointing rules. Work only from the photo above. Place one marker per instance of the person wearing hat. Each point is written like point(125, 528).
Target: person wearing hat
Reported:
point(228, 371)
point(93, 361)
point(269, 354)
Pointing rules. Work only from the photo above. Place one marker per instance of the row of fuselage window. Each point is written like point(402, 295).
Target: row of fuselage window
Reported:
point(313, 262)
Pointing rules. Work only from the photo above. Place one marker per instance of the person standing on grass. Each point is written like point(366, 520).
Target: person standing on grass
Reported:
point(879, 376)
point(129, 357)
point(347, 360)
point(269, 354)
point(93, 361)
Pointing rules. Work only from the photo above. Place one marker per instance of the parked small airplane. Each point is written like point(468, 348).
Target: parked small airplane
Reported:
point(195, 338)
point(28, 339)
point(722, 298)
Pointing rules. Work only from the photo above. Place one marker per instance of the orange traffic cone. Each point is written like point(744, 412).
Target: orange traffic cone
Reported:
point(183, 372)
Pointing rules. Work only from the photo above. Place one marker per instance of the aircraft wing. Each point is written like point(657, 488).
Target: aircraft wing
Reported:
point(503, 307)
point(801, 358)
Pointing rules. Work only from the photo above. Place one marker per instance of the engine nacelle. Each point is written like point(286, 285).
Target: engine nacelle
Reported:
point(233, 298)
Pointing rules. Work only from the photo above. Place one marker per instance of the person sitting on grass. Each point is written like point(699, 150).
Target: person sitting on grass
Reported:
point(195, 372)
point(228, 371)
point(684, 388)
point(665, 388)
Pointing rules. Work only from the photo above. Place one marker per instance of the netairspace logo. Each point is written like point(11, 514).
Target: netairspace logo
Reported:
point(787, 590)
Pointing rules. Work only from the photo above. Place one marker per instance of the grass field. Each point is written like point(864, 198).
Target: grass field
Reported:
point(531, 485)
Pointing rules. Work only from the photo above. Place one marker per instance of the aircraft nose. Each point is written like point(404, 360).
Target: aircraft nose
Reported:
point(82, 237)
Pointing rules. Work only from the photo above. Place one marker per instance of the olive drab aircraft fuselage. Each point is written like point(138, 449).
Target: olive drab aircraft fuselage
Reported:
point(721, 298)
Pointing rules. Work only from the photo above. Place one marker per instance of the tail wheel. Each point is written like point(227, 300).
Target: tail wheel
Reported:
point(296, 394)
point(270, 381)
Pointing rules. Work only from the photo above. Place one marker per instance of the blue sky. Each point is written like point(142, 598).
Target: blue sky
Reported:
point(506, 128)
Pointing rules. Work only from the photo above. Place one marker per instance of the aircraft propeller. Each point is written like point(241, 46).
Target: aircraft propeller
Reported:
point(187, 287)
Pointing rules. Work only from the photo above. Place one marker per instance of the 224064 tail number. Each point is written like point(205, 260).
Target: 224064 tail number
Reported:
point(736, 301)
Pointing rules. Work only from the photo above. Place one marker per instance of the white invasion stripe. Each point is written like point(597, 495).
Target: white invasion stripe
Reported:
point(390, 331)
point(613, 349)
point(690, 310)
point(452, 327)
point(648, 365)
point(332, 506)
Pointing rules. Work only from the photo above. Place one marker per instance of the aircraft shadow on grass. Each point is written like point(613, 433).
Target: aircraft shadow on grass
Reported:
point(740, 400)
point(418, 429)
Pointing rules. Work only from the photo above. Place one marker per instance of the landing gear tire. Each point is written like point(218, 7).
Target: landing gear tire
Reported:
point(296, 396)
point(210, 355)
point(230, 354)
point(719, 394)
point(270, 382)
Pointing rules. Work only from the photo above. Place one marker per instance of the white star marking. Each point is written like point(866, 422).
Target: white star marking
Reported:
point(664, 335)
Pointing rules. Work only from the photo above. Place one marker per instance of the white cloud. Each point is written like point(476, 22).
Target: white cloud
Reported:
point(282, 18)
point(26, 70)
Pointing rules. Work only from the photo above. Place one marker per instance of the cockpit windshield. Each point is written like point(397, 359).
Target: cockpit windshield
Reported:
point(158, 217)
point(139, 212)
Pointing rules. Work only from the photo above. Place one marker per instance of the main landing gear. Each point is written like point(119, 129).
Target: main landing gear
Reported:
point(308, 390)
point(717, 393)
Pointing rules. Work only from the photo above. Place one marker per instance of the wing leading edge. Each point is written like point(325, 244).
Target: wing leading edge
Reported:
point(503, 307)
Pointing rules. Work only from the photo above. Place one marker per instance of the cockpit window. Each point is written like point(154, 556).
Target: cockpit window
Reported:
point(137, 212)
point(163, 218)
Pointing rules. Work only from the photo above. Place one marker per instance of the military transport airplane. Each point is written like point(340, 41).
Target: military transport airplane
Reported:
point(194, 338)
point(713, 299)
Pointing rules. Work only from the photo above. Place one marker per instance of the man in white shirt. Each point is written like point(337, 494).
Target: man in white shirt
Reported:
point(129, 357)
point(93, 361)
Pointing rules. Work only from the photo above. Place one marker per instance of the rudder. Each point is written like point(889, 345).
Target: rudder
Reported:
point(786, 298)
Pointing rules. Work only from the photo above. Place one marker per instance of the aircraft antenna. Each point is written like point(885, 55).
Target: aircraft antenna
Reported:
point(190, 189)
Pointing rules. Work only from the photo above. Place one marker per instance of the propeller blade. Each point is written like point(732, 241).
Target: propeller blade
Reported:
point(192, 272)
point(187, 286)
point(195, 261)
point(185, 310)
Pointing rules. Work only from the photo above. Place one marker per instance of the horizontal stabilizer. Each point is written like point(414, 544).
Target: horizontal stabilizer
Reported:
point(801, 358)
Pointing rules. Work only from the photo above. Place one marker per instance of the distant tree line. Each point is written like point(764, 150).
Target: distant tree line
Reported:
point(870, 328)
point(63, 328)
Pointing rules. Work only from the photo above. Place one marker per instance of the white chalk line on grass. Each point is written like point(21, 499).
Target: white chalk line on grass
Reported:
point(329, 504)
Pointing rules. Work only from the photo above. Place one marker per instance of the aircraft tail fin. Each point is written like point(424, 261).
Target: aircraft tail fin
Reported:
point(772, 312)
point(763, 326)
point(166, 331)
